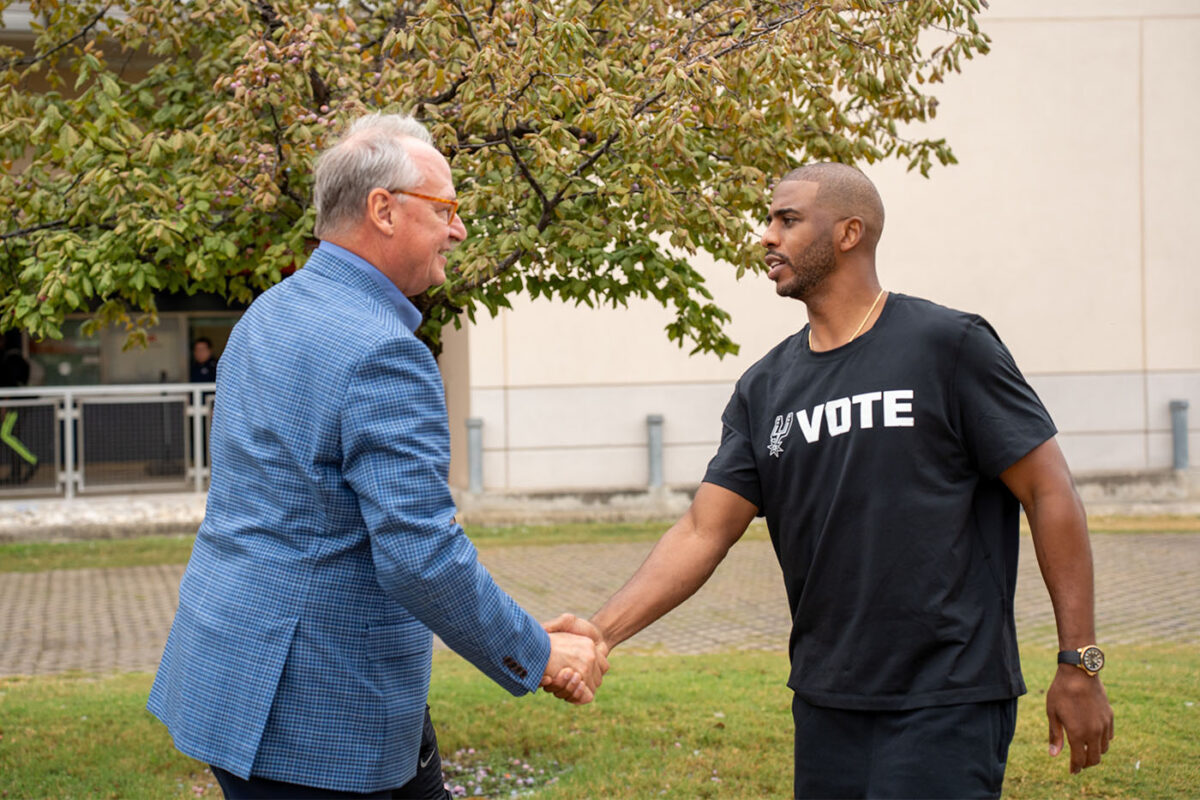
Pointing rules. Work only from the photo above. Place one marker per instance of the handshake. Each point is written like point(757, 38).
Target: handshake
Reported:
point(578, 659)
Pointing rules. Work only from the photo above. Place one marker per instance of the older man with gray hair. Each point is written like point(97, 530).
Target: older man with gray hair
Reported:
point(299, 661)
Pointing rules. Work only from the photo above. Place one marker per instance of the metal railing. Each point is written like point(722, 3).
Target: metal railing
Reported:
point(68, 440)
point(654, 451)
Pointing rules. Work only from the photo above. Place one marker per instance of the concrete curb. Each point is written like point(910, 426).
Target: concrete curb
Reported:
point(579, 506)
point(106, 517)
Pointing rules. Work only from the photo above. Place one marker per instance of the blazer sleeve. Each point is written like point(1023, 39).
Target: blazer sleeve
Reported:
point(396, 457)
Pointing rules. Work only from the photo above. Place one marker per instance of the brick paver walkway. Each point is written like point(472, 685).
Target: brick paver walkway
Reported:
point(117, 619)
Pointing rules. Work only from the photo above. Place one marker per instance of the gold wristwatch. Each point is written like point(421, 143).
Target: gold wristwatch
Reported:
point(1090, 659)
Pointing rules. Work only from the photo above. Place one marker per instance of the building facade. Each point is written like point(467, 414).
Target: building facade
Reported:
point(1063, 224)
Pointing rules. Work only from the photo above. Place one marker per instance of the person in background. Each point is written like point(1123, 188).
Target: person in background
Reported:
point(204, 366)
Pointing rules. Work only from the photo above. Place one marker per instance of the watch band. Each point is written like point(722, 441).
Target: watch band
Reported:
point(1088, 658)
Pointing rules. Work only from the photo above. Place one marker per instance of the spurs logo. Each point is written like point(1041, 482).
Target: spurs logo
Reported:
point(783, 426)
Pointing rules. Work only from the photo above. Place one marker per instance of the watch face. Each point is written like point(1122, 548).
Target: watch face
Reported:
point(1093, 659)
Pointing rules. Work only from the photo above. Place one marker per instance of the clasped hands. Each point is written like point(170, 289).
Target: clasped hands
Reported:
point(578, 659)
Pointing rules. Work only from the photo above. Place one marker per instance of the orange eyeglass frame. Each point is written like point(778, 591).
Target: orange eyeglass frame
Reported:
point(452, 203)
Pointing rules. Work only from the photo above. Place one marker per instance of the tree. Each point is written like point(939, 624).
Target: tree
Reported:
point(595, 144)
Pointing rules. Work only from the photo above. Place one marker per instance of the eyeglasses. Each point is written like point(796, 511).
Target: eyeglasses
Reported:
point(452, 203)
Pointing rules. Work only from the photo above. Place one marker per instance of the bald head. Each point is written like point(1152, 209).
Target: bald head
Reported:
point(844, 192)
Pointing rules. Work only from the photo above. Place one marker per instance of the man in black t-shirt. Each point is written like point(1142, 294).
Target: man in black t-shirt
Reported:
point(204, 366)
point(888, 444)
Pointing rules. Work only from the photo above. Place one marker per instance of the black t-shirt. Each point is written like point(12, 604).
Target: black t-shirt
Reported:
point(876, 466)
point(204, 371)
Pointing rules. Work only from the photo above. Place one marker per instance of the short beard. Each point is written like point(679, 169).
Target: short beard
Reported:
point(815, 264)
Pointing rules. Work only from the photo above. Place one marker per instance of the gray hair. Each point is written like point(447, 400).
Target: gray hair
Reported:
point(370, 155)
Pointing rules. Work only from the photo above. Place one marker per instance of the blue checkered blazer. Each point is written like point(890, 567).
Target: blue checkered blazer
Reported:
point(302, 645)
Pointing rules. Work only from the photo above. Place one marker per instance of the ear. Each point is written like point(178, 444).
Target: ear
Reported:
point(380, 211)
point(848, 233)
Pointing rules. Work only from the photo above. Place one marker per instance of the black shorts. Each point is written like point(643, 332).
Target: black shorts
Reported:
point(956, 751)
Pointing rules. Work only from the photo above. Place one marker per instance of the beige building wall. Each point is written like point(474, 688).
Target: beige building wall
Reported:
point(1064, 224)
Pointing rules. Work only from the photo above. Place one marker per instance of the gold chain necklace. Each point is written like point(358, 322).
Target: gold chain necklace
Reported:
point(857, 330)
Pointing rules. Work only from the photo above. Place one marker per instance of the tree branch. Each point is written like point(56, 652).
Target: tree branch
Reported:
point(269, 16)
point(320, 89)
point(277, 135)
point(462, 12)
point(398, 21)
point(504, 266)
point(742, 44)
point(58, 223)
point(525, 173)
point(448, 95)
point(512, 149)
point(83, 32)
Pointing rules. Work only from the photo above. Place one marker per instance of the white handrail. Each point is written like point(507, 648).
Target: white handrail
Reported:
point(108, 389)
point(67, 402)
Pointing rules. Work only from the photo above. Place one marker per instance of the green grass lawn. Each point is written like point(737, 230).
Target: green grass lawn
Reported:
point(664, 726)
point(149, 550)
point(95, 553)
point(715, 726)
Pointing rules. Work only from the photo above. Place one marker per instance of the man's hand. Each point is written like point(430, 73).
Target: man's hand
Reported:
point(569, 623)
point(1077, 703)
point(677, 566)
point(575, 668)
point(568, 685)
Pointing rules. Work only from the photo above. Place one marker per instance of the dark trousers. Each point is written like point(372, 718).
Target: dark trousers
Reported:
point(956, 751)
point(426, 784)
